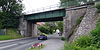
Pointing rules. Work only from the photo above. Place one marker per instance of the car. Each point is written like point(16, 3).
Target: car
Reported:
point(42, 37)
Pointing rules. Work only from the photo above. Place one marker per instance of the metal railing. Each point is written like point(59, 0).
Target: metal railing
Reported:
point(62, 5)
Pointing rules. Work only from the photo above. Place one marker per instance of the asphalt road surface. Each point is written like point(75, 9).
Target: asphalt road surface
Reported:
point(23, 44)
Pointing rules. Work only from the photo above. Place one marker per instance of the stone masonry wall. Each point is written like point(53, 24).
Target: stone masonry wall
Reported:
point(23, 27)
point(88, 23)
point(70, 20)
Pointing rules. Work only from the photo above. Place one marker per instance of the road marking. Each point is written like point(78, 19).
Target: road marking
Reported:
point(8, 46)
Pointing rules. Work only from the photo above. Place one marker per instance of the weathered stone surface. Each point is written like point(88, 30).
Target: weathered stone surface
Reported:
point(23, 27)
point(34, 30)
point(70, 20)
point(88, 23)
point(27, 28)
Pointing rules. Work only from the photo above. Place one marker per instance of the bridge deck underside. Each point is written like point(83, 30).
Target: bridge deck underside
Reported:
point(48, 19)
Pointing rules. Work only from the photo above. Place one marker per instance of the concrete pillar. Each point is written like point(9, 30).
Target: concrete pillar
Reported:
point(34, 30)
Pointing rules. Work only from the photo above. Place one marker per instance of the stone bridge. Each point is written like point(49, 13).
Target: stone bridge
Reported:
point(69, 16)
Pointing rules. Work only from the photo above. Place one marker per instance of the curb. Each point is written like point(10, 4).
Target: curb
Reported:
point(3, 41)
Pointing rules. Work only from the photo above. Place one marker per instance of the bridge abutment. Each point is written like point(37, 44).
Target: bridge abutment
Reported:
point(27, 28)
point(70, 20)
point(31, 29)
point(34, 29)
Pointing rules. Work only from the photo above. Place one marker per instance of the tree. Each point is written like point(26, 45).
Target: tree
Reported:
point(66, 0)
point(60, 26)
point(48, 28)
point(70, 3)
point(67, 3)
point(9, 12)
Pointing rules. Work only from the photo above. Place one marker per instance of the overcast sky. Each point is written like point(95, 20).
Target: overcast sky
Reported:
point(34, 4)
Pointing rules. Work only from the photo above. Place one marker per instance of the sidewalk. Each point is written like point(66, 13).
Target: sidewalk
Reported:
point(53, 44)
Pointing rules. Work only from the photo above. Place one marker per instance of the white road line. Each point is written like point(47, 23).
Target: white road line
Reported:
point(8, 46)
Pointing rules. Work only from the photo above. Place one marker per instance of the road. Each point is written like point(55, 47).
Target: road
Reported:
point(23, 44)
point(53, 43)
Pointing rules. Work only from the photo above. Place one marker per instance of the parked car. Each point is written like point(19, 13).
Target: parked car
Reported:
point(42, 37)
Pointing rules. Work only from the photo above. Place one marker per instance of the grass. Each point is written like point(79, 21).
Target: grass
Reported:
point(34, 49)
point(11, 34)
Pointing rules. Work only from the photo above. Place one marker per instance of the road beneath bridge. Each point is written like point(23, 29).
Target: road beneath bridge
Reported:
point(23, 44)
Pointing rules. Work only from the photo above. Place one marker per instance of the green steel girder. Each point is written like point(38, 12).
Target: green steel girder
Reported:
point(47, 14)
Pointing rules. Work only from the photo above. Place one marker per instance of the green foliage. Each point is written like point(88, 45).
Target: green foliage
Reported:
point(60, 25)
point(66, 0)
point(91, 42)
point(63, 38)
point(43, 29)
point(70, 46)
point(98, 7)
point(71, 3)
point(83, 41)
point(1, 25)
point(98, 24)
point(78, 21)
point(51, 27)
point(95, 33)
point(9, 13)
point(90, 48)
point(10, 34)
point(48, 28)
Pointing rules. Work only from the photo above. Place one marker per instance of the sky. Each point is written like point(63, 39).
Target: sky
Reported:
point(34, 4)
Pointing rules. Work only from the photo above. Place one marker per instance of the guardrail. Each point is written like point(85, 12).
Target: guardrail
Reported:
point(62, 5)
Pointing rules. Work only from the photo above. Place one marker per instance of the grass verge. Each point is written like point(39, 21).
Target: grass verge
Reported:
point(37, 48)
point(11, 34)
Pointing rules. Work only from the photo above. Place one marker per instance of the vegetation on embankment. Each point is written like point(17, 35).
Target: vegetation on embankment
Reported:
point(97, 5)
point(9, 17)
point(10, 34)
point(87, 42)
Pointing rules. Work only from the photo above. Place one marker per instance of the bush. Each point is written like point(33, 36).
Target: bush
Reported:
point(98, 25)
point(63, 38)
point(83, 41)
point(96, 36)
point(69, 46)
point(98, 7)
point(95, 33)
point(90, 48)
point(91, 42)
point(43, 29)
